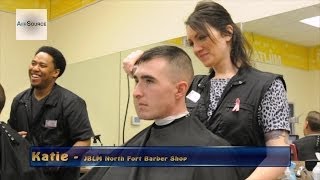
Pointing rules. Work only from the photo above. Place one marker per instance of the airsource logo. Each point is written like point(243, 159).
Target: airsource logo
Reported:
point(31, 24)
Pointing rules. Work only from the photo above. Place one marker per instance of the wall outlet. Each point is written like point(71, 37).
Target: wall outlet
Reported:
point(135, 120)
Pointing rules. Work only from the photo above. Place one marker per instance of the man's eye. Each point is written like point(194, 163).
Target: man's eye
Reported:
point(148, 81)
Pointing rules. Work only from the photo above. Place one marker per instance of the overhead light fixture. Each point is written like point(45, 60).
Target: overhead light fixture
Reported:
point(313, 21)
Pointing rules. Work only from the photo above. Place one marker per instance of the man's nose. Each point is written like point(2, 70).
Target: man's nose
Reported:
point(35, 67)
point(137, 91)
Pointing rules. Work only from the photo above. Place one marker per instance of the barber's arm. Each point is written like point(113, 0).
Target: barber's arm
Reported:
point(273, 138)
point(78, 122)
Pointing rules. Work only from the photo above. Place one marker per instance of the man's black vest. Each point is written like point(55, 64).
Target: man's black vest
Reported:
point(240, 128)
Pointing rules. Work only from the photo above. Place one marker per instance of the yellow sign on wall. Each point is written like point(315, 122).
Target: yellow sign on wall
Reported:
point(273, 51)
point(314, 58)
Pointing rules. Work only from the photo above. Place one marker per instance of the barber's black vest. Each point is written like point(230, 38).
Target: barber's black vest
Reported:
point(240, 128)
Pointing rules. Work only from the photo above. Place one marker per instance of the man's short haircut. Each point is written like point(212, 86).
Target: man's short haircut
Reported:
point(313, 119)
point(178, 59)
point(2, 98)
point(58, 59)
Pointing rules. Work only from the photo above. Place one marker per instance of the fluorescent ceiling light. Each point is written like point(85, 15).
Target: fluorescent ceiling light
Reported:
point(313, 21)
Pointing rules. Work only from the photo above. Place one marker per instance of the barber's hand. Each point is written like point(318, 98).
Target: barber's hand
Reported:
point(130, 60)
point(23, 133)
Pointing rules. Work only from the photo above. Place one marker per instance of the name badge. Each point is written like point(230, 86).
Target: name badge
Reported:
point(193, 96)
point(51, 124)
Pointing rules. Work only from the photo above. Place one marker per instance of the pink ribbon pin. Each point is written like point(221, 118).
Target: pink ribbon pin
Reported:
point(237, 105)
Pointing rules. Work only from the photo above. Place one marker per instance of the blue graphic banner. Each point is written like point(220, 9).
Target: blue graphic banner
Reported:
point(159, 156)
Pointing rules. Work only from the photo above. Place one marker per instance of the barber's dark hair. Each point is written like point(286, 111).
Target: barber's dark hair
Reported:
point(2, 98)
point(209, 13)
point(175, 56)
point(313, 119)
point(58, 59)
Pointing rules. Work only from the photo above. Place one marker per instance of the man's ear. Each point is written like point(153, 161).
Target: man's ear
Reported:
point(182, 88)
point(306, 125)
point(56, 73)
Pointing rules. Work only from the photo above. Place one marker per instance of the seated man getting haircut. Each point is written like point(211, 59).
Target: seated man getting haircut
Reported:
point(163, 75)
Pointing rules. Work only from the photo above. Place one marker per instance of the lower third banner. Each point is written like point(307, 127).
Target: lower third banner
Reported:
point(160, 156)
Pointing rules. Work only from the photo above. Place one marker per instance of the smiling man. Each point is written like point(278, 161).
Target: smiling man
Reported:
point(49, 115)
